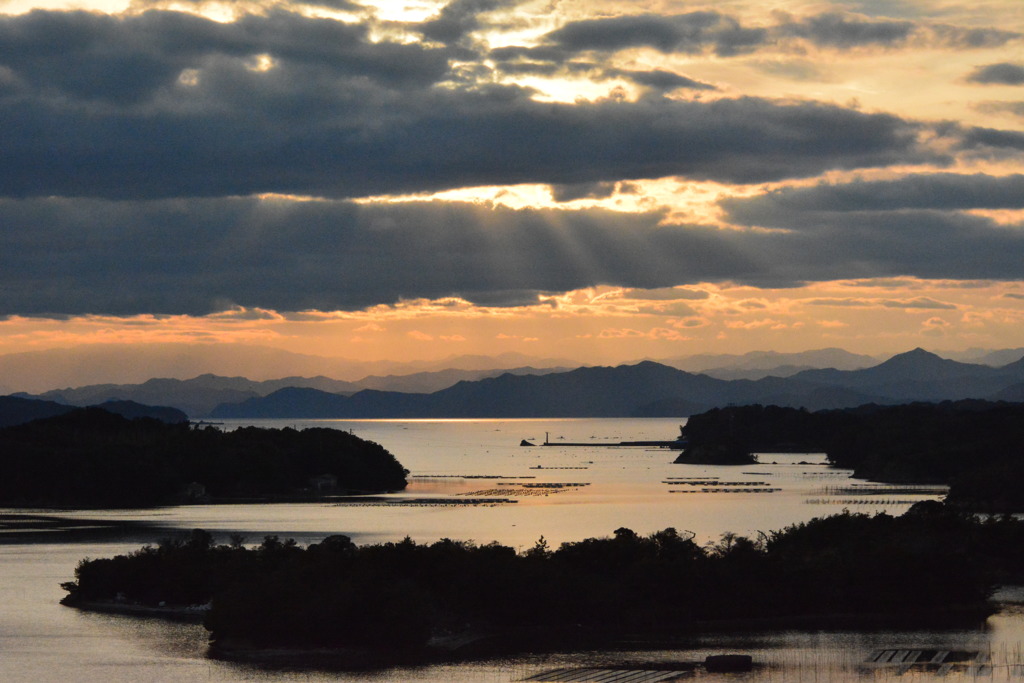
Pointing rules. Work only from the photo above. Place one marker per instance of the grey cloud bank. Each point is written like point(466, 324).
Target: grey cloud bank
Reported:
point(1000, 74)
point(200, 256)
point(920, 191)
point(441, 141)
point(164, 104)
point(696, 32)
point(918, 224)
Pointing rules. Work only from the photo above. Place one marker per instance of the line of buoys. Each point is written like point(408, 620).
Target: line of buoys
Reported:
point(426, 502)
point(726, 490)
point(860, 501)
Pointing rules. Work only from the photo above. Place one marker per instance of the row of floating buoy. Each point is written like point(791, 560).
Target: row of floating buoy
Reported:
point(715, 482)
point(468, 476)
point(860, 501)
point(542, 467)
point(727, 490)
point(552, 485)
point(509, 492)
point(826, 475)
point(874, 490)
point(427, 502)
point(529, 489)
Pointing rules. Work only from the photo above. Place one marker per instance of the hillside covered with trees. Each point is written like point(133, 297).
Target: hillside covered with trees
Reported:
point(976, 447)
point(93, 458)
point(399, 601)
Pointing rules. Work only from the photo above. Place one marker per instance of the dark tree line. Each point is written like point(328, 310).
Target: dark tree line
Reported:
point(393, 597)
point(91, 457)
point(976, 447)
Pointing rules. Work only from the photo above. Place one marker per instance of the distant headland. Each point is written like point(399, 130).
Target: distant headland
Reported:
point(90, 457)
point(975, 447)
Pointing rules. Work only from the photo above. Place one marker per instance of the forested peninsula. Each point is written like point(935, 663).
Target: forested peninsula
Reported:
point(94, 458)
point(976, 447)
point(405, 601)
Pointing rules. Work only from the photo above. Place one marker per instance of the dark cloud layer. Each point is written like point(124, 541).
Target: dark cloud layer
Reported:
point(660, 79)
point(920, 221)
point(101, 58)
point(165, 104)
point(135, 145)
point(446, 141)
point(961, 38)
point(1002, 74)
point(459, 19)
point(200, 256)
point(688, 33)
point(844, 31)
point(440, 142)
point(945, 191)
point(568, 193)
point(991, 141)
point(128, 257)
point(724, 35)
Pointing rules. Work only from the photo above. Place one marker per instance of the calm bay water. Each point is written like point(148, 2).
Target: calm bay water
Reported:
point(469, 480)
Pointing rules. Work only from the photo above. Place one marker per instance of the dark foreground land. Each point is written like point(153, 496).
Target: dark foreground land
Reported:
point(976, 447)
point(94, 458)
point(400, 602)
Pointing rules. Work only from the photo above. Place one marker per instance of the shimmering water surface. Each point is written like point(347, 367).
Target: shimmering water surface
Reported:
point(471, 480)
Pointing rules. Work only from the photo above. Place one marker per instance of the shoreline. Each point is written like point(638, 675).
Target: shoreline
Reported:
point(473, 645)
point(27, 509)
point(190, 613)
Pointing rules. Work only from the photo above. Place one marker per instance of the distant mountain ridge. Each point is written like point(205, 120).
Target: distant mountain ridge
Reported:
point(35, 372)
point(15, 410)
point(648, 389)
point(921, 375)
point(995, 358)
point(584, 392)
point(200, 395)
point(760, 364)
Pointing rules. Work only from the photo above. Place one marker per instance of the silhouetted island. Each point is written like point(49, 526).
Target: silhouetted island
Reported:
point(406, 601)
point(976, 447)
point(726, 452)
point(90, 457)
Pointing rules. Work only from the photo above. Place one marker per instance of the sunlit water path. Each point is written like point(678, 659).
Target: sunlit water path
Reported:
point(472, 480)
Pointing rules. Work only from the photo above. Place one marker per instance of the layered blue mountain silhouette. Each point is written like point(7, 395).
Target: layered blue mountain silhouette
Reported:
point(649, 389)
point(646, 389)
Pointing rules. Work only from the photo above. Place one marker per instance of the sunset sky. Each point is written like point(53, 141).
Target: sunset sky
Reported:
point(602, 181)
